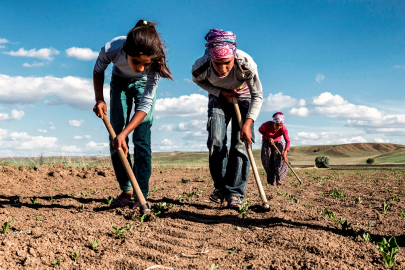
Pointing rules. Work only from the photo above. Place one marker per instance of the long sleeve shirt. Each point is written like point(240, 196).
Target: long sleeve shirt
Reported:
point(112, 52)
point(267, 130)
point(208, 80)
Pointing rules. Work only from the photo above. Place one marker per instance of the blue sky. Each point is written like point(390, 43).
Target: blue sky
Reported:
point(335, 68)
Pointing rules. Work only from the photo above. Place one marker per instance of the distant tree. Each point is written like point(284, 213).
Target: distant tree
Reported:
point(370, 161)
point(322, 162)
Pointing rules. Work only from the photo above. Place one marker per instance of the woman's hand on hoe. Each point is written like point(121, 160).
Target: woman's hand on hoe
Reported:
point(100, 109)
point(120, 143)
point(271, 141)
point(285, 156)
point(229, 95)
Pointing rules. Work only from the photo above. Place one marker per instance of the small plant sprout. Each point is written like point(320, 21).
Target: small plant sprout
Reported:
point(190, 194)
point(232, 251)
point(141, 219)
point(102, 189)
point(81, 207)
point(369, 205)
point(121, 231)
point(94, 244)
point(109, 200)
point(57, 261)
point(51, 198)
point(346, 225)
point(102, 204)
point(84, 194)
point(94, 191)
point(402, 212)
point(73, 195)
point(388, 250)
point(329, 214)
point(38, 218)
point(116, 187)
point(358, 200)
point(54, 214)
point(238, 228)
point(366, 237)
point(180, 199)
point(6, 226)
point(154, 190)
point(34, 200)
point(280, 192)
point(385, 207)
point(74, 255)
point(244, 208)
point(213, 267)
point(158, 209)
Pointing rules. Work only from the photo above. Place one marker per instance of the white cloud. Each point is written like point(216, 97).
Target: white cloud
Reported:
point(387, 131)
point(192, 125)
point(300, 112)
point(2, 46)
point(319, 77)
point(42, 130)
point(357, 139)
point(196, 136)
point(188, 80)
point(84, 54)
point(167, 127)
point(194, 105)
point(45, 53)
point(327, 99)
point(75, 123)
point(398, 66)
point(74, 91)
point(384, 122)
point(52, 127)
point(306, 135)
point(71, 149)
point(350, 111)
point(381, 140)
point(97, 146)
point(82, 137)
point(23, 141)
point(15, 115)
point(35, 64)
point(3, 40)
point(280, 101)
point(166, 142)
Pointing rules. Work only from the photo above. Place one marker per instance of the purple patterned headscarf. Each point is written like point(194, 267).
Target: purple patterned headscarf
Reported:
point(220, 44)
point(278, 117)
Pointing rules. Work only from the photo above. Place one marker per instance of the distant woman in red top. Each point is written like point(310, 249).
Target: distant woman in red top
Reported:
point(276, 169)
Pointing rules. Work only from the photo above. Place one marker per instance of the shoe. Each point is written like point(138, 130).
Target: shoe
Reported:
point(279, 183)
point(217, 196)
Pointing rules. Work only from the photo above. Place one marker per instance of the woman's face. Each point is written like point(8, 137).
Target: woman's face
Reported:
point(223, 66)
point(277, 126)
point(139, 63)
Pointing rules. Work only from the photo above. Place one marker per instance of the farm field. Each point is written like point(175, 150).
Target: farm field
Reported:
point(60, 209)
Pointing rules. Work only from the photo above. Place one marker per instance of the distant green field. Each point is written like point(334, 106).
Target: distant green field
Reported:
point(399, 158)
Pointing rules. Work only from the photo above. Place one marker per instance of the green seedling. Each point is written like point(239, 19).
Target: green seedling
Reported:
point(154, 190)
point(141, 219)
point(310, 207)
point(346, 200)
point(94, 191)
point(395, 198)
point(319, 212)
point(51, 198)
point(335, 194)
point(102, 204)
point(238, 228)
point(199, 191)
point(346, 225)
point(121, 231)
point(180, 199)
point(6, 226)
point(366, 237)
point(116, 186)
point(296, 200)
point(190, 194)
point(244, 208)
point(94, 244)
point(109, 199)
point(57, 261)
point(232, 251)
point(38, 218)
point(370, 224)
point(388, 250)
point(84, 194)
point(295, 184)
point(385, 207)
point(81, 207)
point(402, 212)
point(358, 200)
point(369, 205)
point(34, 200)
point(54, 214)
point(279, 192)
point(102, 189)
point(73, 195)
point(74, 255)
point(158, 209)
point(328, 213)
point(213, 267)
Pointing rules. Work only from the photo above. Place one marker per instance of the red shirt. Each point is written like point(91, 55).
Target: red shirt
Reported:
point(267, 130)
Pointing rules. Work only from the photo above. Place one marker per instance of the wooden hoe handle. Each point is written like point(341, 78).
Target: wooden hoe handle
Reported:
point(287, 163)
point(266, 204)
point(145, 207)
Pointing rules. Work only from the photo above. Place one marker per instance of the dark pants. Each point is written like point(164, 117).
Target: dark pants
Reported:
point(124, 94)
point(229, 172)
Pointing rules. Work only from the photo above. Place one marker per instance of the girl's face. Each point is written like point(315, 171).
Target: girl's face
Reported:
point(223, 66)
point(139, 63)
point(277, 126)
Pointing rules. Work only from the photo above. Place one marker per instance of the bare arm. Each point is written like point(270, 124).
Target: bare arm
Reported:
point(98, 81)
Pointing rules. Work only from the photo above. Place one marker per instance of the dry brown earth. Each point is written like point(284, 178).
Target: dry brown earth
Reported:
point(195, 233)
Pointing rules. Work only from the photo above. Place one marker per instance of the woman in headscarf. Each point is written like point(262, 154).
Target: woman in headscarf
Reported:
point(275, 166)
point(226, 72)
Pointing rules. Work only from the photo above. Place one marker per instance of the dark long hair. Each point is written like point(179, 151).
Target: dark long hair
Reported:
point(143, 39)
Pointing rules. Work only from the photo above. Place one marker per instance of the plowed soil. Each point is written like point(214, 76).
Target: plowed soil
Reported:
point(59, 210)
